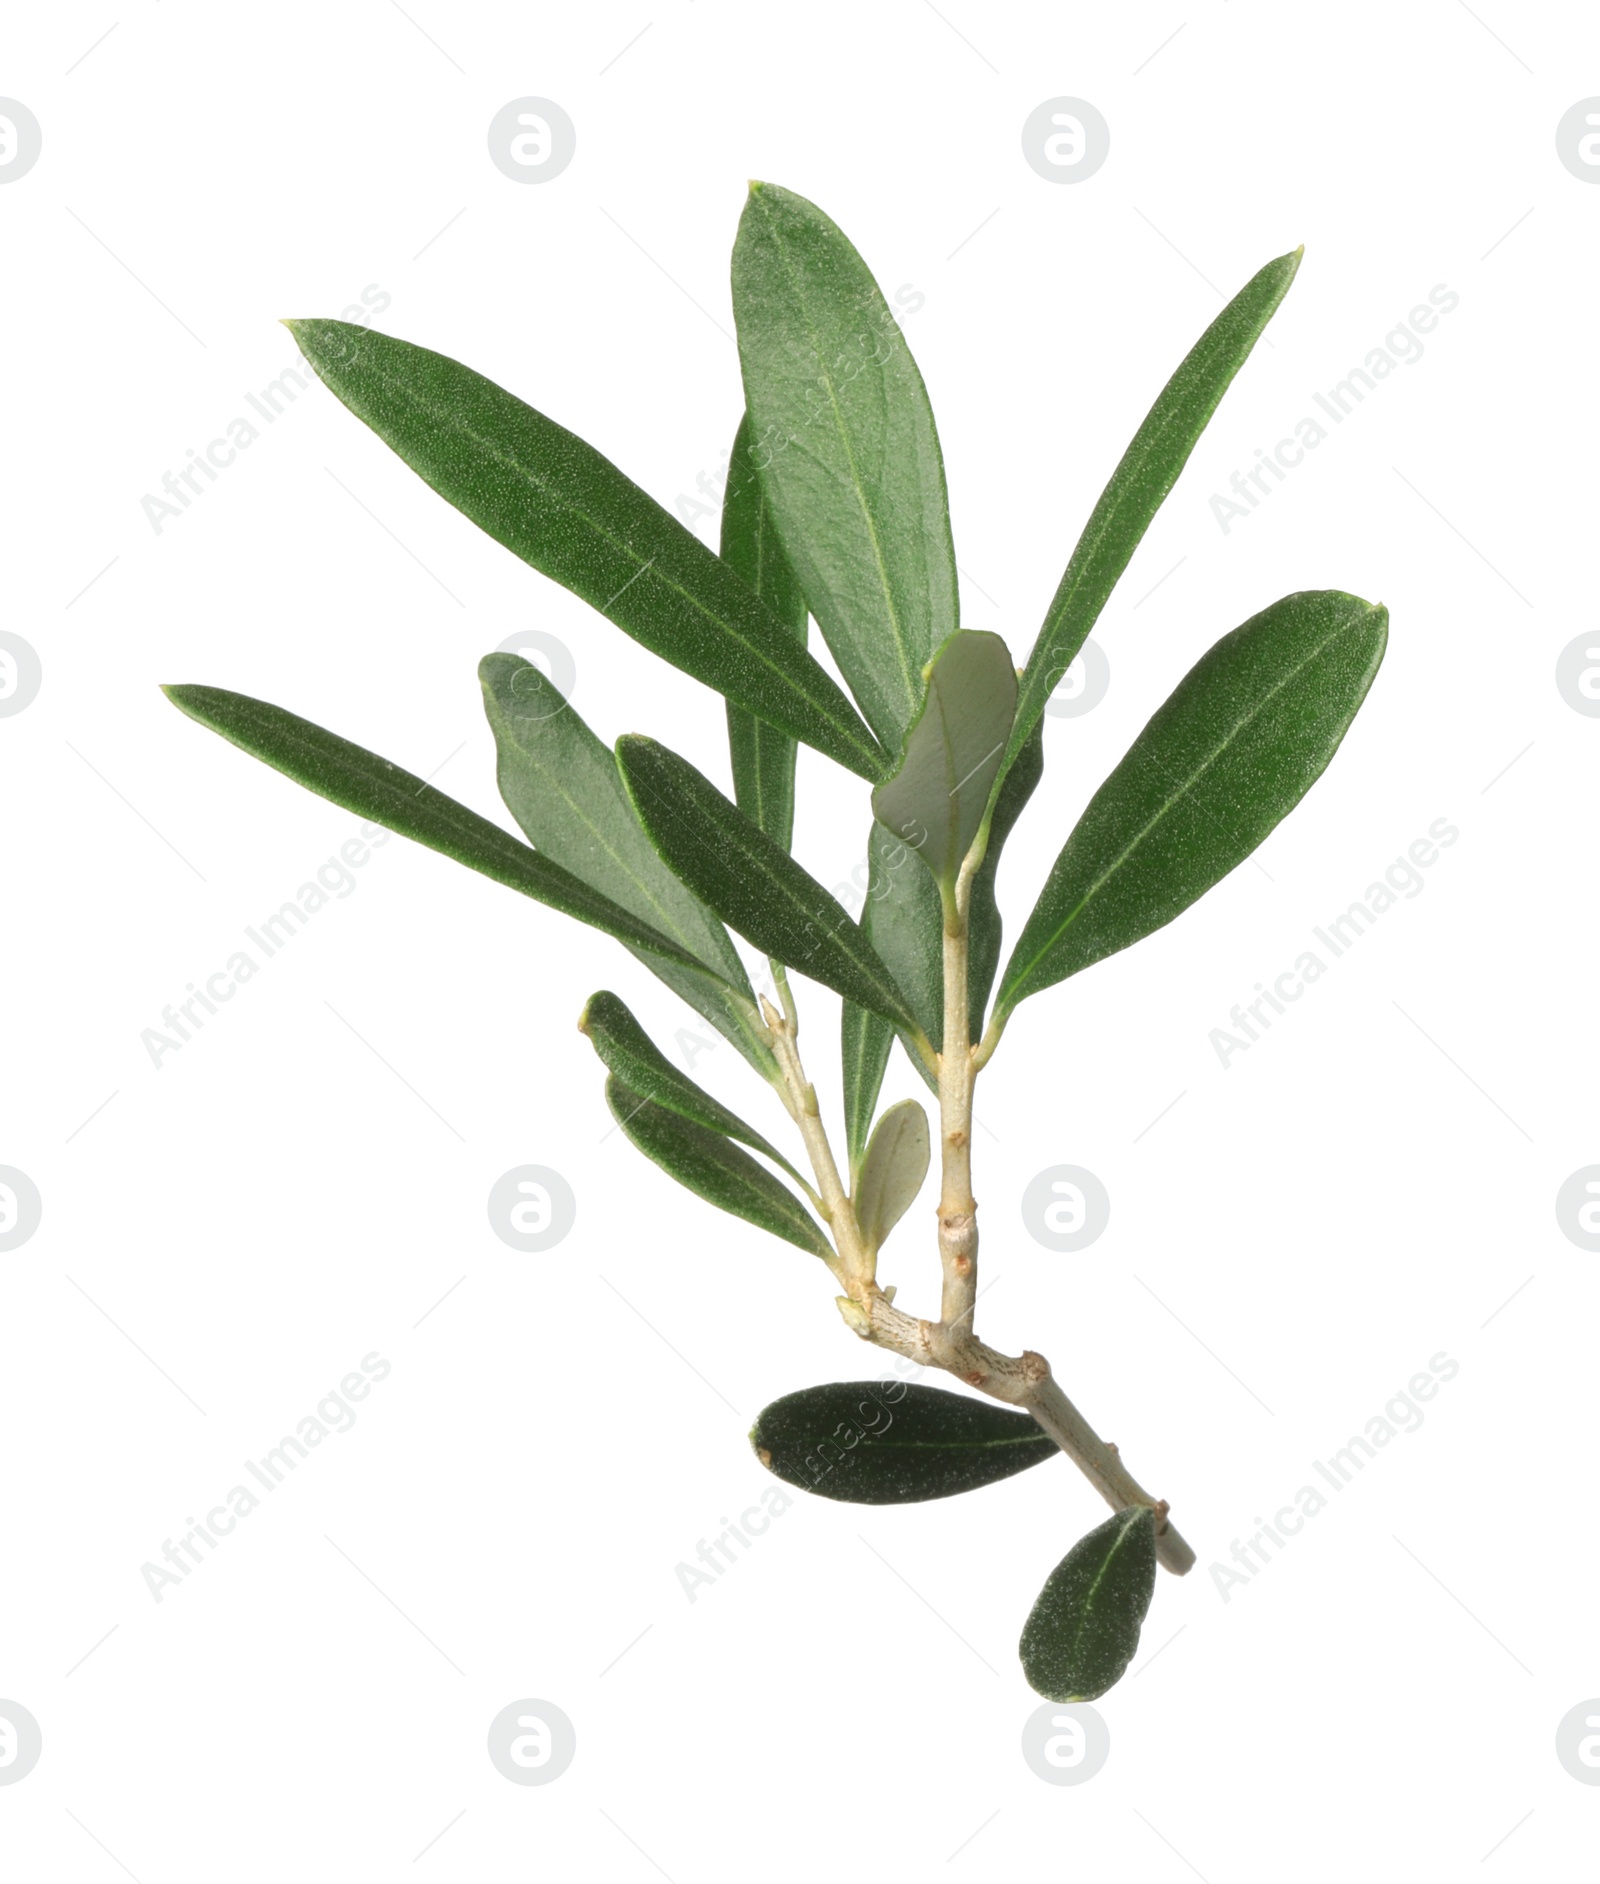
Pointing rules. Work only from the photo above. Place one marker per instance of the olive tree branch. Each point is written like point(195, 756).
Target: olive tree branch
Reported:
point(1023, 1381)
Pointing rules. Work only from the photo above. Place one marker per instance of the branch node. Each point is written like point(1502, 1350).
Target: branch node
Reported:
point(856, 1318)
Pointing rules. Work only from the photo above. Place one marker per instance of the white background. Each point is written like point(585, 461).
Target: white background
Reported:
point(1370, 1184)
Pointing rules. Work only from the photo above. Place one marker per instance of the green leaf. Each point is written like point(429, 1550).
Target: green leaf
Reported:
point(1139, 485)
point(874, 1442)
point(1249, 729)
point(1084, 1629)
point(892, 1172)
point(553, 500)
point(359, 780)
point(904, 918)
point(843, 436)
point(904, 921)
point(763, 757)
point(938, 795)
point(865, 1042)
point(754, 886)
point(984, 927)
point(561, 785)
point(704, 1162)
point(628, 1051)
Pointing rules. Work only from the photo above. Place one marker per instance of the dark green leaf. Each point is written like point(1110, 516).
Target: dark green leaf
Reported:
point(865, 1041)
point(561, 785)
point(629, 1052)
point(1139, 485)
point(763, 757)
point(844, 439)
point(1249, 729)
point(938, 795)
point(904, 921)
point(754, 886)
point(359, 780)
point(704, 1162)
point(1084, 1629)
point(983, 917)
point(874, 1442)
point(553, 500)
point(892, 1172)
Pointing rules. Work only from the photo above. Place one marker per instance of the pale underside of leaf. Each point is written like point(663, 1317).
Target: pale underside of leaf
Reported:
point(561, 785)
point(938, 795)
point(892, 1172)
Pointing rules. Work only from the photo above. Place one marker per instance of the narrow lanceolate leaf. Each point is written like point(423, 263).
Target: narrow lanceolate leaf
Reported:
point(1084, 1629)
point(892, 1171)
point(983, 916)
point(762, 756)
point(872, 1442)
point(553, 500)
point(1246, 734)
point(1139, 485)
point(843, 436)
point(938, 795)
point(561, 785)
point(359, 780)
point(704, 1162)
point(629, 1052)
point(865, 1042)
point(754, 886)
point(904, 921)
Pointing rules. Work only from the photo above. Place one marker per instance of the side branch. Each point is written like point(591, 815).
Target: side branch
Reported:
point(1023, 1381)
